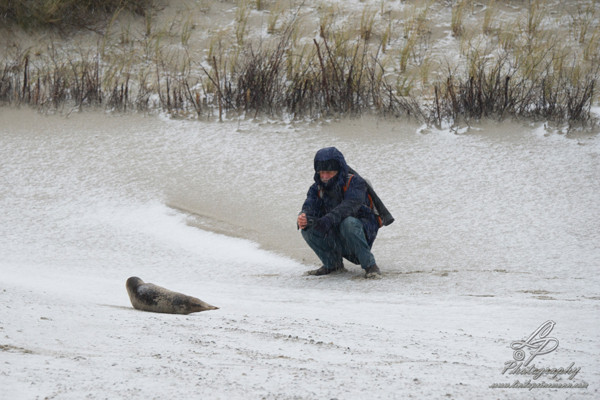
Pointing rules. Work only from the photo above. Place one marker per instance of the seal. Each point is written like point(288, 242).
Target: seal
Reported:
point(149, 297)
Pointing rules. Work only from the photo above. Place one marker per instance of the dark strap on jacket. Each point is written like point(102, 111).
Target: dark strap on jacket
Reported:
point(384, 214)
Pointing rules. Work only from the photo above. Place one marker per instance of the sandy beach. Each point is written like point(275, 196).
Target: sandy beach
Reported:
point(495, 234)
point(491, 284)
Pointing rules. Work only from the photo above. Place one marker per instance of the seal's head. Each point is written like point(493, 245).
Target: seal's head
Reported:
point(133, 283)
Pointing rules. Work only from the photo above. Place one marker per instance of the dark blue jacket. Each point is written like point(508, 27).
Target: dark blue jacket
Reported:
point(336, 204)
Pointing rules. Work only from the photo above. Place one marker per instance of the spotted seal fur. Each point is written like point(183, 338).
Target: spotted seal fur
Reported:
point(150, 297)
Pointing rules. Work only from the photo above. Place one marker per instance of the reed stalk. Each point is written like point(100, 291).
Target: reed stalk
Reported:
point(513, 70)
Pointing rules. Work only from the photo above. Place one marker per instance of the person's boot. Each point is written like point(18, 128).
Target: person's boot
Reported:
point(324, 271)
point(373, 272)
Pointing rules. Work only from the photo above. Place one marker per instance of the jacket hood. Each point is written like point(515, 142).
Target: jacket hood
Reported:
point(331, 153)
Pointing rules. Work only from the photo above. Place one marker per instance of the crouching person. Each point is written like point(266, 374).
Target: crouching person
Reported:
point(338, 219)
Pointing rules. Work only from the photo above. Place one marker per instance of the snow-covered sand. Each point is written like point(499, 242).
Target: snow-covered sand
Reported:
point(496, 233)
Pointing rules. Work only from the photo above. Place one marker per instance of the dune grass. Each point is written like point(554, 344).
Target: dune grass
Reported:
point(382, 63)
point(73, 14)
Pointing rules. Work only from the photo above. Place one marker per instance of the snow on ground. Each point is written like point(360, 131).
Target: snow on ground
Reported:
point(496, 234)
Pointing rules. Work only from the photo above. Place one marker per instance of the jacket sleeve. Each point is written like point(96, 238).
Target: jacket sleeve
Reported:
point(311, 206)
point(352, 201)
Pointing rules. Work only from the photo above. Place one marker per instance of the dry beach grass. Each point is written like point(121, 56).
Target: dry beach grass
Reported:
point(441, 62)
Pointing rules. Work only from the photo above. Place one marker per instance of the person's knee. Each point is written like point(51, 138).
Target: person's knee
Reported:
point(311, 235)
point(350, 225)
point(304, 233)
point(308, 234)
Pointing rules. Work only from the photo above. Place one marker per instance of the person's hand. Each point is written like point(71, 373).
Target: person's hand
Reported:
point(302, 221)
point(323, 225)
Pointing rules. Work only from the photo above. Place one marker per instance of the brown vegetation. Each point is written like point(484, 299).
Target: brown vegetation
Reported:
point(521, 70)
point(66, 13)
